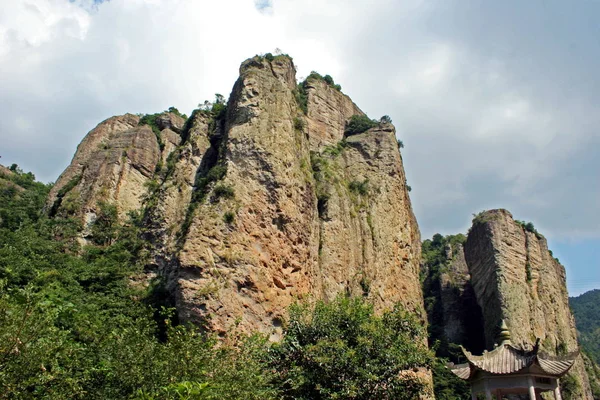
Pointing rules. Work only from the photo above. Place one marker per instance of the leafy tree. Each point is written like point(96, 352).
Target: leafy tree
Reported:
point(342, 350)
point(385, 120)
point(359, 124)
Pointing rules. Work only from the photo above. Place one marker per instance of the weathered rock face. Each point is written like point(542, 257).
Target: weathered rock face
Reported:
point(515, 278)
point(293, 227)
point(255, 206)
point(328, 111)
point(113, 164)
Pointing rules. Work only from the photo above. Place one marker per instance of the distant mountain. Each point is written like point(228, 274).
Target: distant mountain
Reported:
point(586, 309)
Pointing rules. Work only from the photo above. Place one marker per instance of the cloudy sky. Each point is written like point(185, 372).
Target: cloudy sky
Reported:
point(497, 102)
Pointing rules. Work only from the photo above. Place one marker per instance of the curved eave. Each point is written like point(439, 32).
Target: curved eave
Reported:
point(463, 371)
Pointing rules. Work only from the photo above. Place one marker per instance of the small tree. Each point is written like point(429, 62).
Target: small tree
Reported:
point(385, 120)
point(359, 124)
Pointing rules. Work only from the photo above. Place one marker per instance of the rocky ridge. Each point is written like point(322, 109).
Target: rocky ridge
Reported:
point(514, 278)
point(260, 204)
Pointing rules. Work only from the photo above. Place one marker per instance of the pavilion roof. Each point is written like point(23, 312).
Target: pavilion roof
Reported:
point(508, 359)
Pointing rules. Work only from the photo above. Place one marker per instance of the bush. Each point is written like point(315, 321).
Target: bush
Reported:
point(224, 191)
point(301, 97)
point(385, 120)
point(342, 350)
point(228, 217)
point(299, 124)
point(359, 124)
point(361, 188)
point(104, 228)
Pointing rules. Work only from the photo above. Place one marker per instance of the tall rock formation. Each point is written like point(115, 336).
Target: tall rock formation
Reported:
point(256, 204)
point(516, 279)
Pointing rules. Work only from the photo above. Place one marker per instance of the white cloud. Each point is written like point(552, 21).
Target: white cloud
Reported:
point(492, 113)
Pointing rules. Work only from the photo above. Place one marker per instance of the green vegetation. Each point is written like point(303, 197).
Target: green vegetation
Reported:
point(228, 217)
point(150, 120)
point(586, 309)
point(75, 323)
point(342, 350)
point(528, 227)
point(359, 124)
point(327, 79)
point(175, 111)
point(360, 188)
point(400, 144)
point(224, 191)
point(299, 124)
point(385, 120)
point(21, 198)
point(301, 94)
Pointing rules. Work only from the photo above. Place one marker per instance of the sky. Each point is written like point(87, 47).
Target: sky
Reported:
point(497, 102)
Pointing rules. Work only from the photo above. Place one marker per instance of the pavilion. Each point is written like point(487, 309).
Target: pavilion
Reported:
point(513, 370)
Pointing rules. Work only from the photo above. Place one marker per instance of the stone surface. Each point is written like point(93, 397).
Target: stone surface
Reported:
point(328, 111)
point(113, 164)
point(516, 279)
point(280, 247)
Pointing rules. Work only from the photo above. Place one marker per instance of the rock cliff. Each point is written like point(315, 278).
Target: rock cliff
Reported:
point(255, 204)
point(514, 278)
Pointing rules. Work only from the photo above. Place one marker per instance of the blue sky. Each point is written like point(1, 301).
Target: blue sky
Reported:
point(497, 102)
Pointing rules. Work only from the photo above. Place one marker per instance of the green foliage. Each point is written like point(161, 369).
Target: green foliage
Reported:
point(327, 79)
point(342, 350)
point(217, 109)
point(175, 111)
point(400, 144)
point(104, 228)
point(224, 191)
point(301, 96)
point(570, 387)
point(586, 309)
point(228, 217)
point(337, 149)
point(359, 124)
point(409, 188)
point(528, 274)
point(150, 120)
point(385, 120)
point(482, 217)
point(299, 124)
point(446, 385)
point(21, 199)
point(528, 227)
point(360, 188)
point(69, 186)
point(75, 325)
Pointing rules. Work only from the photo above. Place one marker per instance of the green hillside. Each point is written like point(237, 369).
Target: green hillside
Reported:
point(586, 309)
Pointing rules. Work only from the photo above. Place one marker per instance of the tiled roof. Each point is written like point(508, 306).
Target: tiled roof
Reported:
point(507, 359)
point(504, 359)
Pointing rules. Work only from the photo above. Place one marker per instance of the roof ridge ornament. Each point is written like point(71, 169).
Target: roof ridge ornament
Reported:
point(504, 335)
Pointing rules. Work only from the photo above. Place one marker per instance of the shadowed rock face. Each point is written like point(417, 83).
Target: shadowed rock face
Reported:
point(516, 279)
point(259, 206)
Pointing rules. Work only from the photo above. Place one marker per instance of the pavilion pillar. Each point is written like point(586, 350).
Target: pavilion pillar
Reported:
point(488, 393)
point(557, 395)
point(473, 394)
point(531, 388)
point(499, 394)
